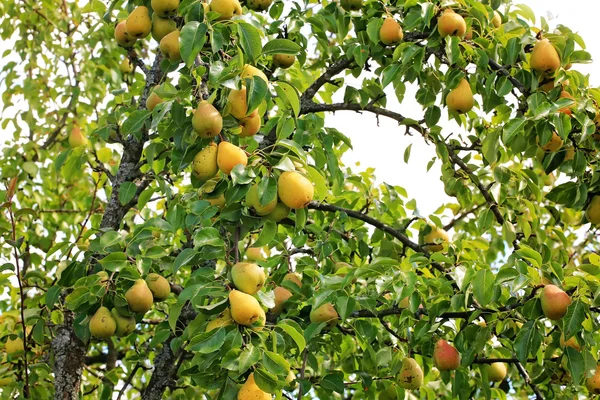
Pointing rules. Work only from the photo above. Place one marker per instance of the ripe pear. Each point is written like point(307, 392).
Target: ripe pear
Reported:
point(294, 190)
point(593, 383)
point(554, 144)
point(283, 60)
point(229, 155)
point(159, 286)
point(554, 302)
point(236, 103)
point(496, 372)
point(432, 240)
point(204, 166)
point(592, 213)
point(497, 20)
point(445, 356)
point(259, 5)
point(125, 325)
point(253, 201)
point(161, 27)
point(250, 124)
point(351, 5)
point(139, 297)
point(165, 8)
point(227, 8)
point(103, 324)
point(126, 66)
point(324, 313)
point(14, 345)
point(451, 24)
point(569, 109)
point(245, 309)
point(254, 254)
point(460, 99)
point(152, 101)
point(123, 38)
point(139, 24)
point(224, 319)
point(572, 342)
point(281, 296)
point(250, 71)
point(76, 138)
point(292, 277)
point(207, 121)
point(411, 375)
point(390, 31)
point(248, 277)
point(388, 394)
point(217, 201)
point(544, 57)
point(250, 391)
point(281, 212)
point(169, 46)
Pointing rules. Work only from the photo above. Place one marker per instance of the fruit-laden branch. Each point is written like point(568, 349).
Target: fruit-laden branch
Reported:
point(525, 375)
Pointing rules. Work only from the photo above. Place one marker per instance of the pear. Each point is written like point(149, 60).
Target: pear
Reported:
point(554, 302)
point(253, 201)
point(103, 277)
point(224, 319)
point(159, 286)
point(139, 24)
point(169, 46)
point(569, 109)
point(248, 277)
point(324, 313)
point(554, 144)
point(592, 213)
point(139, 297)
point(250, 391)
point(281, 296)
point(572, 342)
point(250, 124)
point(245, 309)
point(460, 99)
point(126, 66)
point(254, 254)
point(435, 240)
point(469, 34)
point(123, 38)
point(103, 324)
point(229, 155)
point(259, 5)
point(76, 138)
point(14, 345)
point(544, 58)
point(547, 86)
point(152, 101)
point(294, 190)
point(161, 27)
point(6, 381)
point(165, 8)
point(496, 372)
point(411, 375)
point(281, 212)
point(390, 31)
point(351, 5)
point(388, 394)
point(125, 325)
point(290, 378)
point(250, 71)
point(497, 20)
point(207, 121)
point(217, 201)
point(292, 277)
point(227, 8)
point(569, 153)
point(451, 24)
point(445, 356)
point(593, 383)
point(236, 103)
point(283, 60)
point(204, 166)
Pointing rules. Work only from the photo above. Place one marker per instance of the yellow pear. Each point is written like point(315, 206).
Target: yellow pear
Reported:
point(236, 103)
point(250, 391)
point(259, 5)
point(593, 383)
point(451, 24)
point(76, 138)
point(554, 144)
point(324, 313)
point(125, 325)
point(159, 286)
point(250, 124)
point(204, 165)
point(139, 24)
point(555, 302)
point(281, 212)
point(390, 31)
point(14, 345)
point(169, 46)
point(165, 8)
point(294, 190)
point(292, 277)
point(249, 71)
point(126, 66)
point(227, 8)
point(255, 254)
point(460, 99)
point(544, 57)
point(497, 20)
point(224, 319)
point(253, 201)
point(103, 324)
point(281, 296)
point(248, 277)
point(152, 101)
point(245, 309)
point(283, 60)
point(434, 241)
point(207, 121)
point(496, 371)
point(592, 213)
point(123, 38)
point(411, 375)
point(161, 27)
point(229, 155)
point(217, 201)
point(139, 297)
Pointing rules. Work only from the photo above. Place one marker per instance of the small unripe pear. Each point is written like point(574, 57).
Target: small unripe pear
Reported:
point(139, 24)
point(255, 254)
point(250, 391)
point(159, 286)
point(544, 57)
point(229, 155)
point(281, 296)
point(283, 60)
point(103, 324)
point(165, 8)
point(460, 99)
point(123, 38)
point(295, 191)
point(161, 27)
point(169, 46)
point(497, 20)
point(139, 297)
point(290, 378)
point(554, 302)
point(245, 309)
point(125, 325)
point(451, 24)
point(411, 375)
point(249, 71)
point(435, 239)
point(390, 31)
point(351, 5)
point(593, 383)
point(205, 165)
point(324, 313)
point(103, 276)
point(152, 101)
point(77, 138)
point(496, 372)
point(592, 213)
point(259, 5)
point(281, 212)
point(207, 121)
point(250, 124)
point(126, 66)
point(227, 8)
point(248, 277)
point(14, 345)
point(253, 201)
point(445, 356)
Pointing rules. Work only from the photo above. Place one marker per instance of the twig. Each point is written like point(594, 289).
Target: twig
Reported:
point(302, 370)
point(525, 375)
point(461, 216)
point(87, 218)
point(128, 380)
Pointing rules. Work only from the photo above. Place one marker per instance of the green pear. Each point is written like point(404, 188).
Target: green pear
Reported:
point(411, 375)
point(14, 345)
point(496, 371)
point(544, 58)
point(229, 155)
point(123, 38)
point(227, 8)
point(139, 297)
point(283, 60)
point(205, 165)
point(251, 124)
point(255, 254)
point(497, 20)
point(207, 120)
point(461, 98)
point(161, 27)
point(250, 71)
point(165, 8)
point(555, 302)
point(125, 325)
point(292, 277)
point(248, 277)
point(126, 66)
point(592, 213)
point(104, 278)
point(324, 313)
point(245, 309)
point(294, 190)
point(169, 46)
point(236, 103)
point(139, 24)
point(102, 324)
point(159, 286)
point(253, 201)
point(280, 212)
point(259, 5)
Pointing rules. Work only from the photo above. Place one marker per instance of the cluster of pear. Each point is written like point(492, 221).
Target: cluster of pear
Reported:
point(139, 24)
point(140, 297)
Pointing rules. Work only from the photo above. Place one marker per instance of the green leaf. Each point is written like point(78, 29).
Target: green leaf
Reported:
point(294, 147)
point(113, 261)
point(483, 285)
point(573, 320)
point(256, 91)
point(281, 46)
point(135, 121)
point(289, 95)
point(208, 236)
point(575, 364)
point(208, 342)
point(527, 253)
point(127, 192)
point(265, 381)
point(268, 232)
point(249, 40)
point(294, 331)
point(524, 340)
point(267, 191)
point(110, 238)
point(345, 306)
point(275, 363)
point(249, 357)
point(192, 39)
point(184, 258)
point(333, 381)
point(512, 128)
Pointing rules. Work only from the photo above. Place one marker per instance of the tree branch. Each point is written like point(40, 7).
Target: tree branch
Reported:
point(525, 375)
point(334, 69)
point(461, 216)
